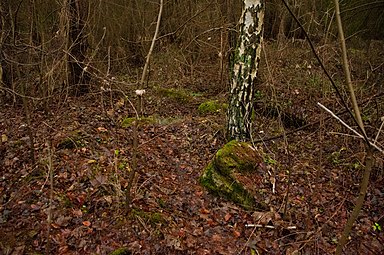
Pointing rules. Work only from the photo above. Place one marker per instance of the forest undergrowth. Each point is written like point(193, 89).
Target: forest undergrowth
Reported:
point(170, 213)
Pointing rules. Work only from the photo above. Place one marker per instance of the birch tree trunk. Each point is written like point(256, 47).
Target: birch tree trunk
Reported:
point(244, 66)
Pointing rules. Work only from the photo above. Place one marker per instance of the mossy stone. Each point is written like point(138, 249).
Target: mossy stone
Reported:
point(238, 156)
point(221, 175)
point(226, 186)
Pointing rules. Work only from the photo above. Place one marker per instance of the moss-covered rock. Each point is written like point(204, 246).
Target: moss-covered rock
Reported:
point(238, 156)
point(233, 174)
point(212, 106)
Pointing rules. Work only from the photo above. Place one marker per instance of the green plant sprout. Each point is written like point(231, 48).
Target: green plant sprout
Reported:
point(376, 227)
point(270, 161)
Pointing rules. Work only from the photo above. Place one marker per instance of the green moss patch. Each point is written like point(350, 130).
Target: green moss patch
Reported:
point(154, 218)
point(212, 106)
point(150, 120)
point(179, 95)
point(130, 121)
point(121, 251)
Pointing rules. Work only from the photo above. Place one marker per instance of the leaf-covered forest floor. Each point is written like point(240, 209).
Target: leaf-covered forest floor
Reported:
point(170, 212)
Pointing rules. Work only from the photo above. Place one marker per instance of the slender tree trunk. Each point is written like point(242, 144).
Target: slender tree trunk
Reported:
point(78, 45)
point(369, 158)
point(281, 33)
point(244, 67)
point(231, 20)
point(5, 31)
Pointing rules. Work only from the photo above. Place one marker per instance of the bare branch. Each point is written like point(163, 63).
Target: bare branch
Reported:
point(152, 44)
point(347, 126)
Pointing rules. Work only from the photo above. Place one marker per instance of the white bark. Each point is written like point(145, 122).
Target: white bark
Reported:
point(245, 63)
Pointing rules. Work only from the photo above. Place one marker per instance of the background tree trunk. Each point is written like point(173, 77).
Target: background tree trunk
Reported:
point(78, 45)
point(5, 79)
point(244, 66)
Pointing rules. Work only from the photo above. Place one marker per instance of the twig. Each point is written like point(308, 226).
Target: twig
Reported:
point(27, 113)
point(286, 198)
point(49, 217)
point(343, 134)
point(253, 231)
point(11, 91)
point(378, 132)
point(267, 226)
point(347, 126)
point(132, 174)
point(143, 75)
point(340, 120)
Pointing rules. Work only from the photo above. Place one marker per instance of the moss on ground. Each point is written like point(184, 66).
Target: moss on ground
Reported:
point(179, 95)
point(150, 120)
point(130, 121)
point(153, 218)
point(121, 251)
point(212, 106)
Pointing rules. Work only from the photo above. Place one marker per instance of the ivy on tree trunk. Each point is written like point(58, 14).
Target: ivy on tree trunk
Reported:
point(244, 65)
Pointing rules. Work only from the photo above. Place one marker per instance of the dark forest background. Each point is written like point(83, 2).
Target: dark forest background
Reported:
point(51, 47)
